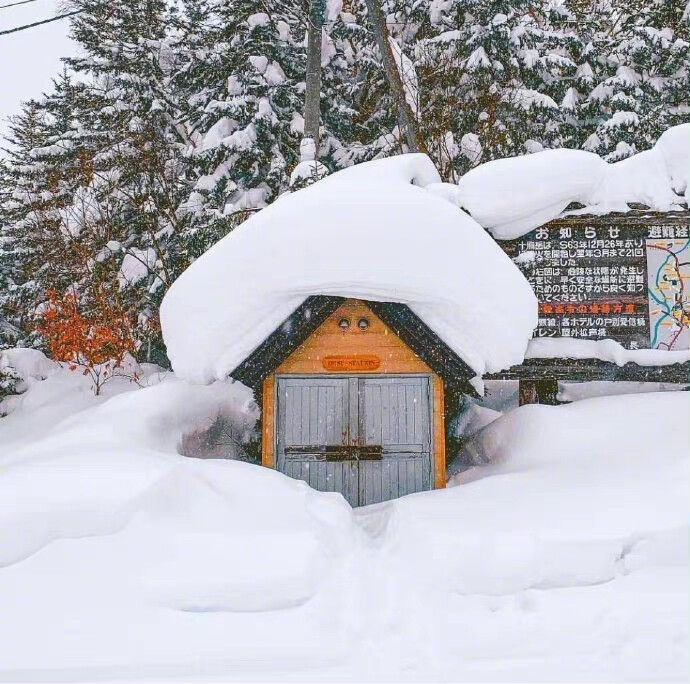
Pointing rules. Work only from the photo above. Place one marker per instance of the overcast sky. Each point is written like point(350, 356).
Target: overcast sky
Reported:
point(29, 59)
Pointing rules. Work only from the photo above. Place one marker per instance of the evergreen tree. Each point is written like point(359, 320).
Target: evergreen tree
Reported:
point(491, 77)
point(358, 112)
point(40, 243)
point(634, 74)
point(135, 188)
point(97, 174)
point(243, 84)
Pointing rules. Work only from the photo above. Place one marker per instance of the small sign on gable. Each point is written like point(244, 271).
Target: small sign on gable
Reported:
point(351, 362)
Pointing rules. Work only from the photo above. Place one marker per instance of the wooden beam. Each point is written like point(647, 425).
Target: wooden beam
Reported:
point(635, 217)
point(439, 423)
point(268, 422)
point(581, 370)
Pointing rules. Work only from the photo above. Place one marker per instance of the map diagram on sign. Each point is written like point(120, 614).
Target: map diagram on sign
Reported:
point(668, 282)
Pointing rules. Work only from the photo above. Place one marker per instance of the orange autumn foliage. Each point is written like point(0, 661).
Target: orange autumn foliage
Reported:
point(97, 344)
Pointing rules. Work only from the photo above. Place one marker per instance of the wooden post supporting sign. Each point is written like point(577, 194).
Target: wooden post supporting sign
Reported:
point(538, 391)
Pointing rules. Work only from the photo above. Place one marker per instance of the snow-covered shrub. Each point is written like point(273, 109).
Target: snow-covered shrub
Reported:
point(227, 436)
point(98, 344)
point(9, 378)
point(18, 368)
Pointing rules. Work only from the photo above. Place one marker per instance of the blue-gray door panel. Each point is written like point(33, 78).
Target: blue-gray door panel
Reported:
point(366, 437)
point(395, 412)
point(313, 414)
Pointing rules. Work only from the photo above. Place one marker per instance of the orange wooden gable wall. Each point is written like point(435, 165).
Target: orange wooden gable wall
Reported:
point(328, 345)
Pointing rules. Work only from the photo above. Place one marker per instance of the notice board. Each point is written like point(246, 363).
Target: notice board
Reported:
point(610, 277)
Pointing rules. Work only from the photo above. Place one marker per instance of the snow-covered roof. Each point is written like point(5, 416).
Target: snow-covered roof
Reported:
point(513, 196)
point(371, 232)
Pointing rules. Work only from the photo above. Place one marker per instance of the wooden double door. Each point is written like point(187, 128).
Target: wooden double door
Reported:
point(367, 437)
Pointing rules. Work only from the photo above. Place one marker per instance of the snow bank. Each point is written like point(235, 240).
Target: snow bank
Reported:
point(50, 392)
point(576, 391)
point(80, 478)
point(470, 418)
point(674, 146)
point(565, 495)
point(576, 531)
point(604, 350)
point(552, 437)
point(567, 554)
point(512, 196)
point(642, 178)
point(372, 232)
point(115, 550)
point(28, 364)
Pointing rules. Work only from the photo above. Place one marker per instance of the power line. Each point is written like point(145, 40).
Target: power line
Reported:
point(14, 4)
point(39, 23)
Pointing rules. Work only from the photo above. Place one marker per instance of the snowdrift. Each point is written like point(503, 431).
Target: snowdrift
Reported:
point(560, 496)
point(122, 559)
point(81, 477)
point(113, 547)
point(27, 364)
point(573, 530)
point(371, 231)
point(604, 350)
point(511, 197)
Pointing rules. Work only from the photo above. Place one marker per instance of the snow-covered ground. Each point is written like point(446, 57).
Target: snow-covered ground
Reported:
point(563, 559)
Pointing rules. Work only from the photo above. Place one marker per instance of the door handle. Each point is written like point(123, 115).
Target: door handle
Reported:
point(371, 452)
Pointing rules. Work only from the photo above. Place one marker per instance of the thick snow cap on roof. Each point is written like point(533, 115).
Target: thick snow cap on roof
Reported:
point(512, 196)
point(371, 232)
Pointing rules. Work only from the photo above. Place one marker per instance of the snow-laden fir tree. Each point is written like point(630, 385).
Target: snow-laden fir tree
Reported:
point(634, 75)
point(243, 87)
point(491, 78)
point(134, 188)
point(95, 172)
point(42, 246)
point(8, 333)
point(358, 113)
point(653, 80)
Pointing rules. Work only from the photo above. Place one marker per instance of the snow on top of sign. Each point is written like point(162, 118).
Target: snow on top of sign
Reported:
point(603, 350)
point(513, 196)
point(371, 232)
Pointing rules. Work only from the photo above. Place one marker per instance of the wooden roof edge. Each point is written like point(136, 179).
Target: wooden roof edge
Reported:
point(297, 327)
point(287, 337)
point(417, 335)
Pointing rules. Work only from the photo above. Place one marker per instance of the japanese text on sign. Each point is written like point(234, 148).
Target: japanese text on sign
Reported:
point(629, 283)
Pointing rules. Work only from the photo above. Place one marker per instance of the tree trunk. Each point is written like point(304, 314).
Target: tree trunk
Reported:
point(406, 119)
point(312, 98)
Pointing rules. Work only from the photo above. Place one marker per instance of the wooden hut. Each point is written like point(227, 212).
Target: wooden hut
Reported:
point(353, 395)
